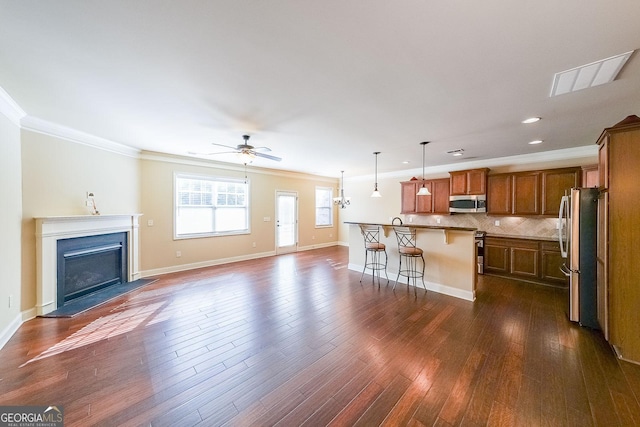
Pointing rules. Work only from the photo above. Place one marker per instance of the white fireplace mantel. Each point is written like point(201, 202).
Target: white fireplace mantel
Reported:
point(53, 228)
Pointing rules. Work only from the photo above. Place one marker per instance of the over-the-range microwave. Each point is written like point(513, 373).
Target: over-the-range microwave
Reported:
point(468, 203)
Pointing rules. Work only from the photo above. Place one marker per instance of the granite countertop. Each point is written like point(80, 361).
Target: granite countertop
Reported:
point(424, 227)
point(517, 236)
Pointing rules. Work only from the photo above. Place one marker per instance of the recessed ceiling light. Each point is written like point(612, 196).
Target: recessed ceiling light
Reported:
point(405, 162)
point(537, 141)
point(531, 120)
point(457, 153)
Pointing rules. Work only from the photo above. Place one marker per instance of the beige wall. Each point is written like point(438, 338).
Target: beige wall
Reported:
point(158, 250)
point(56, 174)
point(10, 218)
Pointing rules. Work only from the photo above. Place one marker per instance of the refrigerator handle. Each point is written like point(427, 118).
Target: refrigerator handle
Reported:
point(562, 226)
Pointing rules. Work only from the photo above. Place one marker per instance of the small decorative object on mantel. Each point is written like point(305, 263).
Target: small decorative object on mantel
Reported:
point(91, 203)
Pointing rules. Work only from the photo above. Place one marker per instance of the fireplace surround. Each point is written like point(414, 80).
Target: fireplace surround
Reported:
point(51, 230)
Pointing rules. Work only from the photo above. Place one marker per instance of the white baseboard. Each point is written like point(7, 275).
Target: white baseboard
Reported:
point(11, 329)
point(203, 264)
point(431, 286)
point(312, 247)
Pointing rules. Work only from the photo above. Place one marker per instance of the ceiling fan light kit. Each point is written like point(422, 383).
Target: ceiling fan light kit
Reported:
point(246, 152)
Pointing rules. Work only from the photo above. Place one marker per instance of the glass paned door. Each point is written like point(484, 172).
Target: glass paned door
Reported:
point(286, 222)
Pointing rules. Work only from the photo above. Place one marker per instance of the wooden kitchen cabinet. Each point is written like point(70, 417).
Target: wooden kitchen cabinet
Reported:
point(496, 256)
point(551, 263)
point(499, 194)
point(512, 257)
point(555, 182)
point(436, 203)
point(531, 193)
point(618, 251)
point(590, 176)
point(526, 194)
point(408, 201)
point(467, 182)
point(531, 260)
point(513, 194)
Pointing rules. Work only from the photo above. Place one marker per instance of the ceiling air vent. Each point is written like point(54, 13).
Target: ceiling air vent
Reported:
point(594, 74)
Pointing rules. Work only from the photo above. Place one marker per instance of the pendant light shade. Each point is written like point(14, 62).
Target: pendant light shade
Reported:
point(342, 201)
point(424, 191)
point(376, 193)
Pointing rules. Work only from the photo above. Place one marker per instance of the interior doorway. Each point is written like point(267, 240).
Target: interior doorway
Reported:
point(286, 222)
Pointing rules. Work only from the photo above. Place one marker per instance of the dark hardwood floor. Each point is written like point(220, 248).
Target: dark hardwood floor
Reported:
point(298, 340)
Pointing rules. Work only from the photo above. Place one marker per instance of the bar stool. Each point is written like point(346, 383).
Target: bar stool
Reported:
point(373, 247)
point(408, 251)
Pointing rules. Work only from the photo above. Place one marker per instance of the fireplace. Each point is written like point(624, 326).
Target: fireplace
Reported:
point(90, 263)
point(96, 251)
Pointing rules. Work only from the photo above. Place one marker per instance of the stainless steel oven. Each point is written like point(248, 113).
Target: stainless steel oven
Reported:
point(479, 238)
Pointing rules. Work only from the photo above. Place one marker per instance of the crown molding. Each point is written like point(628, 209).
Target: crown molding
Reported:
point(10, 108)
point(35, 124)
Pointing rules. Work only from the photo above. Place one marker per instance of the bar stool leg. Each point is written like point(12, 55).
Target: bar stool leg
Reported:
point(365, 264)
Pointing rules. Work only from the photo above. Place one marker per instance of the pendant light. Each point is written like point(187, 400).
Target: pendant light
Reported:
point(424, 191)
point(376, 193)
point(342, 201)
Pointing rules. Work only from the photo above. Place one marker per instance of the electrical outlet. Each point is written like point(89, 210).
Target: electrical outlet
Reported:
point(178, 254)
point(150, 223)
point(313, 237)
point(496, 223)
point(437, 220)
point(253, 244)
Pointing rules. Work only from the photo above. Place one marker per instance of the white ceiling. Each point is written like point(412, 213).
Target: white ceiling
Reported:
point(323, 83)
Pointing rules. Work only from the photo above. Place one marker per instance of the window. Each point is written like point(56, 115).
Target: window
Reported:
point(206, 206)
point(324, 206)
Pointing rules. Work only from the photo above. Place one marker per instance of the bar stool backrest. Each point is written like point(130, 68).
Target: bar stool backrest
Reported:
point(406, 237)
point(371, 235)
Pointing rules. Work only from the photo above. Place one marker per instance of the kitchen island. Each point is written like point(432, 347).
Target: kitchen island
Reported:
point(449, 254)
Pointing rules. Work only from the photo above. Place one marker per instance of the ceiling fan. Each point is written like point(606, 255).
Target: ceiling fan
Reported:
point(247, 151)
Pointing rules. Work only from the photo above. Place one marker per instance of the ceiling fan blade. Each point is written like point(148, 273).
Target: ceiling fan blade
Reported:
point(262, 148)
point(212, 154)
point(225, 146)
point(267, 156)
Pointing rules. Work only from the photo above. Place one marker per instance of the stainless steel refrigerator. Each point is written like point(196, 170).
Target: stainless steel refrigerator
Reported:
point(577, 234)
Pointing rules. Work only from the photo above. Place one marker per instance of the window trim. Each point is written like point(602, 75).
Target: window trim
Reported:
point(331, 207)
point(214, 178)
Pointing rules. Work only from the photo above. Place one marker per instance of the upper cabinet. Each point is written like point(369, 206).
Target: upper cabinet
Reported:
point(473, 181)
point(555, 182)
point(530, 193)
point(436, 203)
point(590, 176)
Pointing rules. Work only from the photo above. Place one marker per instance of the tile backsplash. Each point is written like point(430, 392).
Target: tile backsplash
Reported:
point(518, 226)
